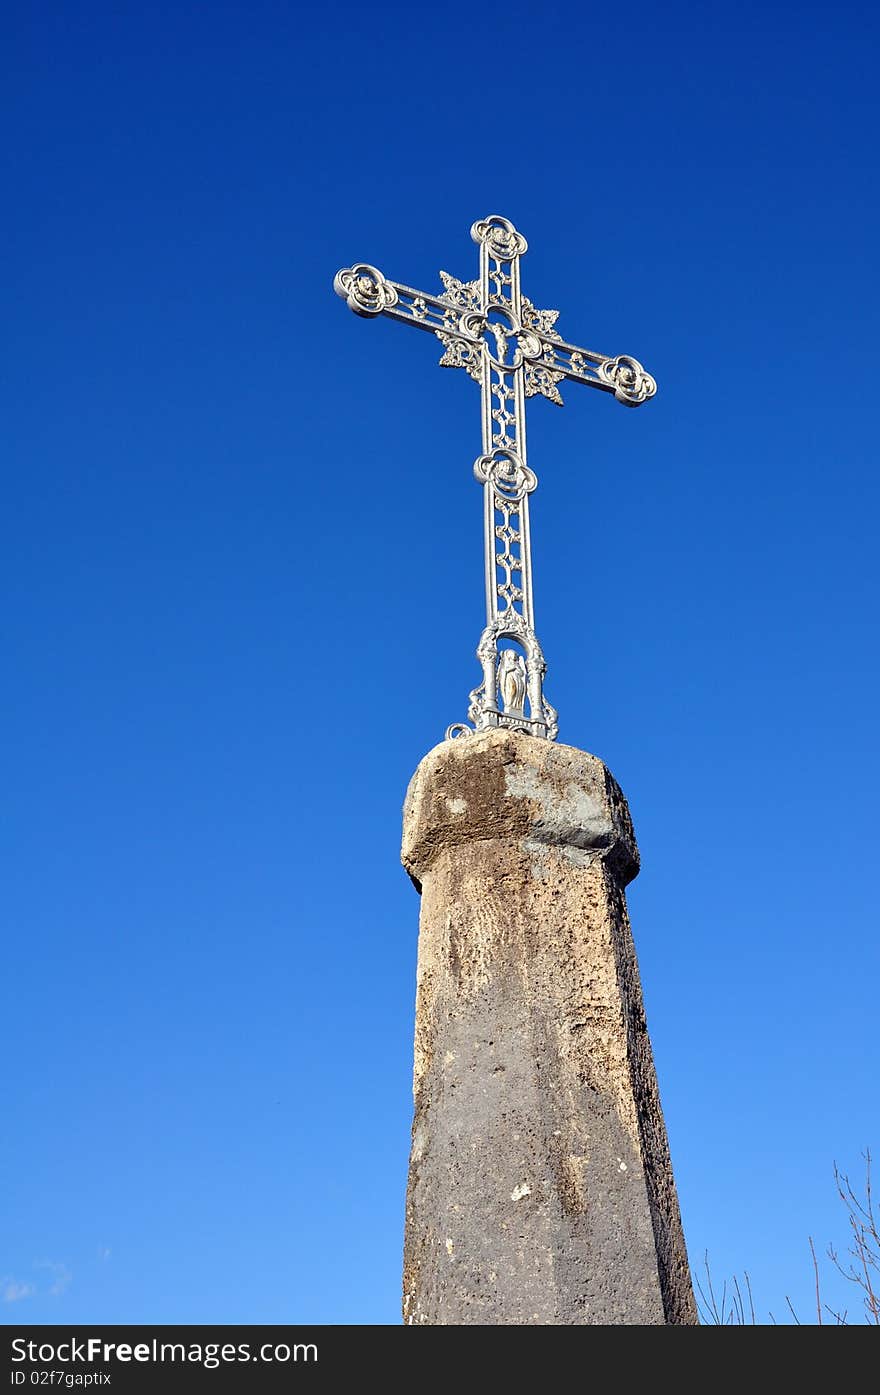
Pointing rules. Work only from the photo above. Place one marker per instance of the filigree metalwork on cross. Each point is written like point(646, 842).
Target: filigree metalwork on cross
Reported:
point(489, 328)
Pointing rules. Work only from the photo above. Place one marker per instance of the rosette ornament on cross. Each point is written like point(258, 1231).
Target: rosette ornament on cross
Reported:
point(489, 328)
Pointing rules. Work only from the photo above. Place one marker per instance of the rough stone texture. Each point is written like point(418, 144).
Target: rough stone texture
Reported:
point(540, 1185)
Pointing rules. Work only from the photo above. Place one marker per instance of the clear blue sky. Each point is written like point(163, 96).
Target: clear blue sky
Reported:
point(242, 569)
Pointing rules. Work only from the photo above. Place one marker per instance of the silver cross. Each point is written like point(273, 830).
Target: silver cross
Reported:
point(489, 328)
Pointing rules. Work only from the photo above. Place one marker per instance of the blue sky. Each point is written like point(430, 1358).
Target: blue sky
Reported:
point(242, 567)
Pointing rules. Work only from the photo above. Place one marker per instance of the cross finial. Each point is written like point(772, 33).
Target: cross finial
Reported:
point(489, 328)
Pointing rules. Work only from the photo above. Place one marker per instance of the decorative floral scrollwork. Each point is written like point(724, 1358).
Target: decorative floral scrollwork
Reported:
point(364, 289)
point(456, 730)
point(476, 704)
point(461, 354)
point(540, 320)
point(506, 473)
point(543, 380)
point(463, 294)
point(500, 236)
point(632, 385)
point(551, 718)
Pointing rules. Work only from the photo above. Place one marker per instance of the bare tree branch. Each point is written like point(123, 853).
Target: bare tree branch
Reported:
point(860, 1266)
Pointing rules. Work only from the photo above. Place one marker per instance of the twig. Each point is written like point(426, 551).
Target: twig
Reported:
point(816, 1272)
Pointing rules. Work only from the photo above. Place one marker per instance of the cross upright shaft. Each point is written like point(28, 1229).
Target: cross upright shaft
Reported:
point(489, 328)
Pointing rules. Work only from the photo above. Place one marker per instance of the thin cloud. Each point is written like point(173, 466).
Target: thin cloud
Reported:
point(14, 1290)
point(61, 1276)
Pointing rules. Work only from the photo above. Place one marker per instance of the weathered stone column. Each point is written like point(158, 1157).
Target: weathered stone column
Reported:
point(540, 1186)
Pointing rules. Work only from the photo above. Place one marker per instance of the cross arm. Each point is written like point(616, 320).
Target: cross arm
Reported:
point(455, 317)
point(550, 359)
point(367, 292)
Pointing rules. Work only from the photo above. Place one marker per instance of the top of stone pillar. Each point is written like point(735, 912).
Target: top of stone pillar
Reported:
point(503, 784)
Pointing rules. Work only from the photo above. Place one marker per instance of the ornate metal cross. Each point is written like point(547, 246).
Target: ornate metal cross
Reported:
point(489, 328)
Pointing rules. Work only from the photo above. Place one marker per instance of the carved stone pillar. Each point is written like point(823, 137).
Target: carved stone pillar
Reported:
point(540, 1186)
